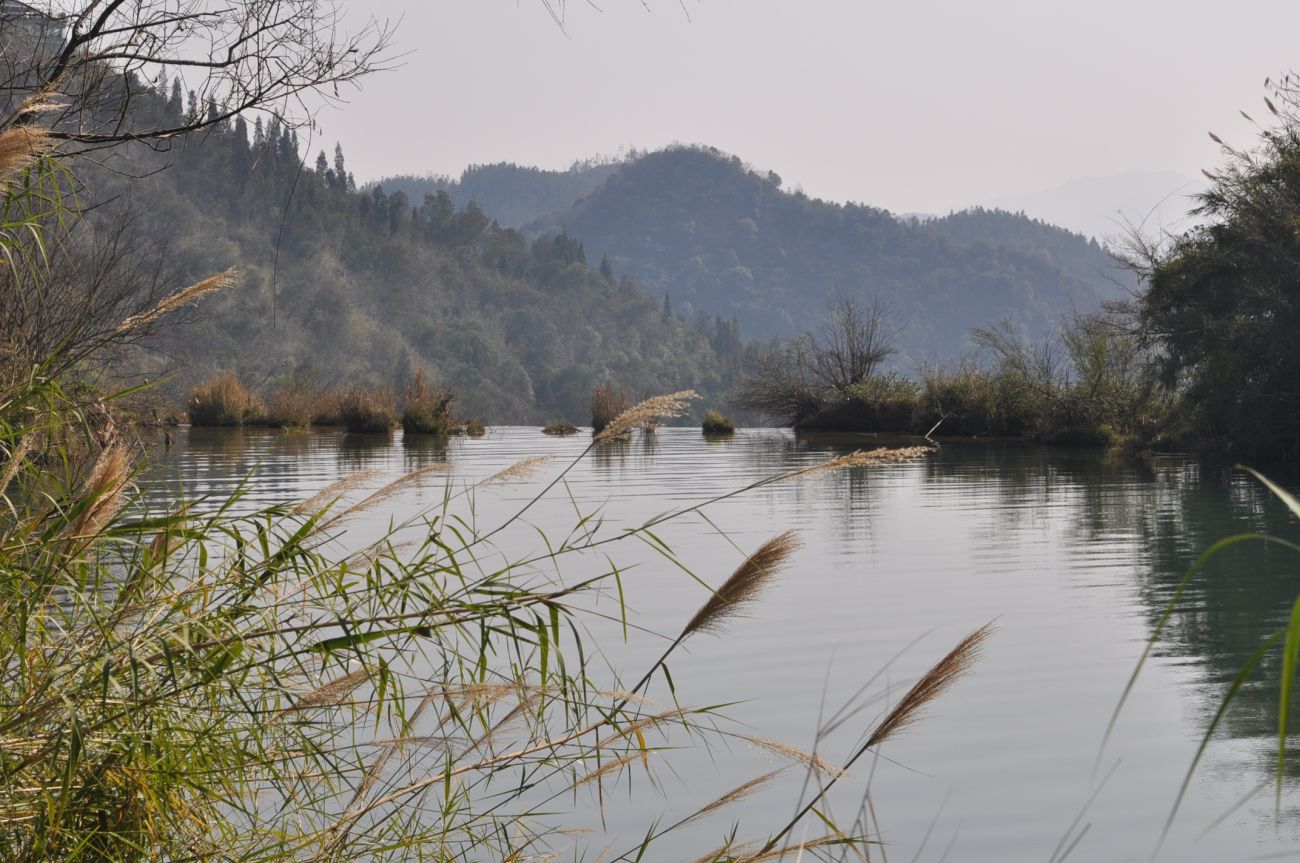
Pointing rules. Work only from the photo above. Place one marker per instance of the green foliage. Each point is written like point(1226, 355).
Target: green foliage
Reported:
point(1223, 306)
point(224, 401)
point(360, 287)
point(727, 240)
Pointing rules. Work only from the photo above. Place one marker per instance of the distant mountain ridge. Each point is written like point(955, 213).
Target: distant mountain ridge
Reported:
point(1106, 207)
point(512, 194)
point(720, 238)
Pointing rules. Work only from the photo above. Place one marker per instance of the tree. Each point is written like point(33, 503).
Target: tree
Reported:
point(792, 381)
point(1222, 305)
point(238, 55)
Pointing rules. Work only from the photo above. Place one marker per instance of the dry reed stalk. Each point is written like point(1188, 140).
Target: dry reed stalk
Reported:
point(521, 469)
point(798, 848)
point(641, 724)
point(15, 462)
point(938, 679)
point(19, 147)
point(646, 412)
point(941, 676)
point(606, 768)
point(744, 585)
point(794, 753)
point(735, 795)
point(331, 693)
point(171, 302)
point(335, 490)
point(867, 458)
point(394, 488)
point(104, 486)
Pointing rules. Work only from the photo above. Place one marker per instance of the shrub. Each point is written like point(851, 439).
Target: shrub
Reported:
point(606, 403)
point(560, 429)
point(425, 409)
point(224, 401)
point(475, 428)
point(368, 411)
point(717, 424)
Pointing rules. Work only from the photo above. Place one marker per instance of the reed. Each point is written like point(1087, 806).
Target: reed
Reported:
point(368, 411)
point(426, 409)
point(224, 401)
point(560, 429)
point(606, 404)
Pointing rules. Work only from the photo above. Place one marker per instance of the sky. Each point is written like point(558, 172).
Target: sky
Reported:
point(920, 106)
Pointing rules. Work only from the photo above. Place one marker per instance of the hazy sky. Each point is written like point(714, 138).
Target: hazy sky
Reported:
point(914, 106)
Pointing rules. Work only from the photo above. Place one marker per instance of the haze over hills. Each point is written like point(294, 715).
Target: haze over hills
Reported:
point(1105, 207)
point(512, 194)
point(719, 238)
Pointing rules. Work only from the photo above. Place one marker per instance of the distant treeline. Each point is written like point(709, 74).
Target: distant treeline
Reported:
point(343, 287)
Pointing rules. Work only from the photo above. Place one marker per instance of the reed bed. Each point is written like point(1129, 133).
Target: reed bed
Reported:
point(607, 402)
point(368, 410)
point(224, 401)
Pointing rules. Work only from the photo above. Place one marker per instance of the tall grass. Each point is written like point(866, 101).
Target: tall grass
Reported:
point(218, 682)
point(426, 409)
point(606, 404)
point(224, 401)
point(368, 410)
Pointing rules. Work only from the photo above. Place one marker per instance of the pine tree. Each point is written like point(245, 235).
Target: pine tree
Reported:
point(323, 170)
point(340, 170)
point(607, 269)
point(174, 104)
point(667, 314)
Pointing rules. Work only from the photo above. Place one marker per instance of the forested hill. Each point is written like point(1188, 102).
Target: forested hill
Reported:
point(367, 287)
point(722, 239)
point(512, 194)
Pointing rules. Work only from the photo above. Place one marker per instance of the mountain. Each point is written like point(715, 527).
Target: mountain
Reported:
point(719, 238)
point(1105, 207)
point(512, 194)
point(343, 287)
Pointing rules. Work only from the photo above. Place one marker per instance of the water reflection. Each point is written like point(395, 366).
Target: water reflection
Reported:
point(1075, 555)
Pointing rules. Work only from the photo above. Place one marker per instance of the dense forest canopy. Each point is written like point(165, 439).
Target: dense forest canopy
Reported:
point(346, 286)
point(723, 239)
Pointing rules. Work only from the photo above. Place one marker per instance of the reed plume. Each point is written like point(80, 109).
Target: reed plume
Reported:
point(936, 681)
point(735, 795)
point(941, 676)
point(745, 584)
point(103, 489)
point(331, 693)
point(519, 470)
point(646, 412)
point(171, 302)
point(16, 459)
point(394, 488)
point(866, 458)
point(335, 490)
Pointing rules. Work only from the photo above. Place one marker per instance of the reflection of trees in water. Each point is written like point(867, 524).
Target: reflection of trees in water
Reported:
point(1170, 511)
point(424, 450)
point(1244, 594)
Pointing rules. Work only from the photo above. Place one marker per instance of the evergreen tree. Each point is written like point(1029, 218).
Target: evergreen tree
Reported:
point(607, 269)
point(322, 168)
point(174, 104)
point(192, 111)
point(340, 170)
point(667, 314)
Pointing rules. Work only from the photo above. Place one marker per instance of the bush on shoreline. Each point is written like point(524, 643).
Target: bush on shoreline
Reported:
point(426, 409)
point(717, 425)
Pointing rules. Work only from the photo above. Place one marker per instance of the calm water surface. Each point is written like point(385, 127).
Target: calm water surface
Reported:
point(1074, 557)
